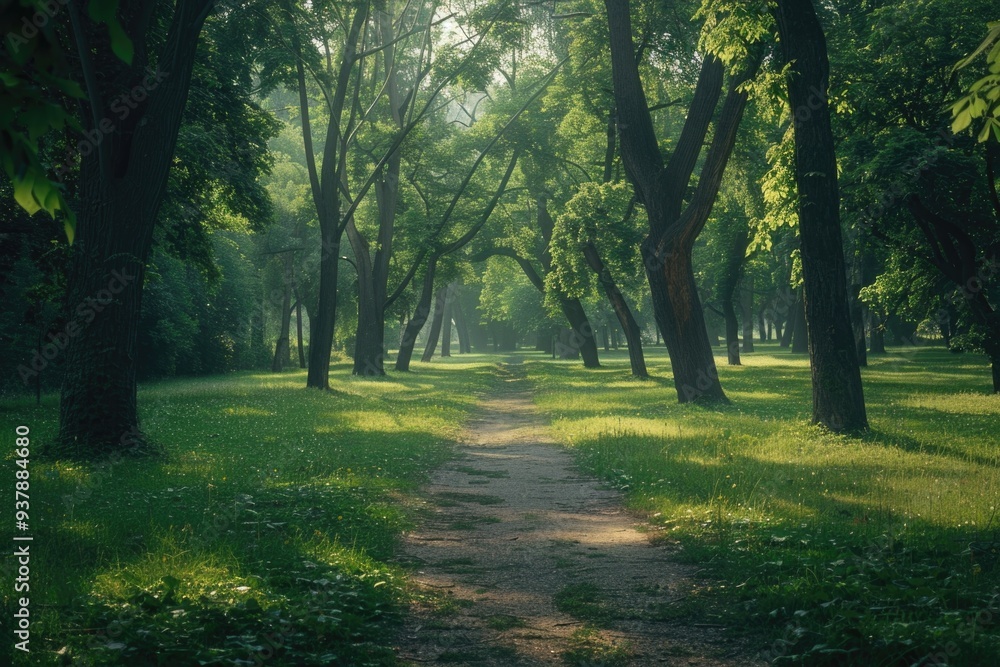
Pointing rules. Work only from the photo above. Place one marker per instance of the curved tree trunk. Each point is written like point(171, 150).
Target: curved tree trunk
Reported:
point(838, 398)
point(633, 335)
point(682, 322)
point(432, 338)
point(418, 320)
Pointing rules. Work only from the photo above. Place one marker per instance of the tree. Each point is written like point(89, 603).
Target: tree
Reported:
point(661, 187)
point(838, 399)
point(132, 118)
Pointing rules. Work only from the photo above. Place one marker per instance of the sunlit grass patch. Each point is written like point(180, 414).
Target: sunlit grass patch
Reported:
point(262, 534)
point(878, 545)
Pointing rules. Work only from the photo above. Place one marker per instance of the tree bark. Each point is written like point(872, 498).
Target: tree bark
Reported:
point(122, 183)
point(282, 349)
point(440, 300)
point(800, 338)
point(461, 327)
point(298, 330)
point(746, 310)
point(765, 327)
point(877, 327)
point(418, 320)
point(838, 398)
point(732, 329)
point(446, 318)
point(633, 335)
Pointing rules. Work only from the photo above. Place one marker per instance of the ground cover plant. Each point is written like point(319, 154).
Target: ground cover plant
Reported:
point(879, 550)
point(263, 534)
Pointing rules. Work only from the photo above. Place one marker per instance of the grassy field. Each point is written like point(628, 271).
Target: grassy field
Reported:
point(266, 529)
point(269, 528)
point(876, 551)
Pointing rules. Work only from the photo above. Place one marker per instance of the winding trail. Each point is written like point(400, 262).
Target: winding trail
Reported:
point(512, 527)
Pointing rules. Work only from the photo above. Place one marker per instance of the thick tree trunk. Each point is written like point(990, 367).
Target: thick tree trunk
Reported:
point(440, 300)
point(122, 183)
point(97, 410)
point(746, 310)
point(682, 321)
point(838, 398)
point(321, 325)
point(369, 342)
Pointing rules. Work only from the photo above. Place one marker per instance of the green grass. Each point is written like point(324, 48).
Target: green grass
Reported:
point(267, 528)
point(879, 550)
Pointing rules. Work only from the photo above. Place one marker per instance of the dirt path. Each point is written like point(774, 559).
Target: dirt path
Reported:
point(528, 562)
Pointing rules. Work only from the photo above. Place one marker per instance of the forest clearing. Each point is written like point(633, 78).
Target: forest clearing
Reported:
point(284, 512)
point(500, 332)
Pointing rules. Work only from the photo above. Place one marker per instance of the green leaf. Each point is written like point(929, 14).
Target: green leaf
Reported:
point(24, 195)
point(120, 42)
point(962, 121)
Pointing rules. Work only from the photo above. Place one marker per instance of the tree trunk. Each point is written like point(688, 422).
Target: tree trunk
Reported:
point(461, 327)
point(626, 319)
point(321, 325)
point(877, 326)
point(663, 189)
point(606, 339)
point(746, 310)
point(369, 342)
point(418, 320)
point(440, 300)
point(122, 183)
point(838, 398)
point(765, 328)
point(682, 322)
point(732, 329)
point(582, 336)
point(800, 339)
point(298, 330)
point(858, 325)
point(282, 349)
point(446, 318)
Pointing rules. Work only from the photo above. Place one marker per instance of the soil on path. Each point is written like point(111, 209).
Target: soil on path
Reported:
point(526, 561)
